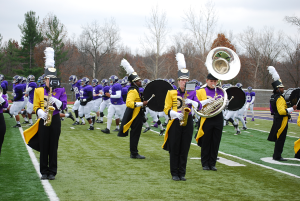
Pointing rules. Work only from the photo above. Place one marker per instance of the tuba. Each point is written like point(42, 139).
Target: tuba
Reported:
point(224, 64)
point(49, 110)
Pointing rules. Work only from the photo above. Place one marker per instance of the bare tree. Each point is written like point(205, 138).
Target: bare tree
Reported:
point(97, 41)
point(264, 49)
point(291, 54)
point(154, 42)
point(201, 25)
point(294, 20)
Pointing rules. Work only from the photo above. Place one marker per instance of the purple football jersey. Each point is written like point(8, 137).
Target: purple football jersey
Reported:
point(84, 91)
point(5, 105)
point(33, 85)
point(249, 96)
point(18, 91)
point(97, 90)
point(106, 90)
point(76, 87)
point(116, 101)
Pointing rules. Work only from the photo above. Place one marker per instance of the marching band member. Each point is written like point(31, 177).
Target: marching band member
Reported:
point(278, 108)
point(178, 138)
point(134, 114)
point(210, 131)
point(116, 106)
point(250, 97)
point(41, 137)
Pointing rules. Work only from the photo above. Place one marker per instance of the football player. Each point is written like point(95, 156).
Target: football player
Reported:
point(76, 86)
point(97, 96)
point(250, 97)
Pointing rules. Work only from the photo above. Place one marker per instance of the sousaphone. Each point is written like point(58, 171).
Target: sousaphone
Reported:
point(224, 64)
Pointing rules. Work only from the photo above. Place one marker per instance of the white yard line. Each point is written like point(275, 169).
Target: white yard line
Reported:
point(46, 184)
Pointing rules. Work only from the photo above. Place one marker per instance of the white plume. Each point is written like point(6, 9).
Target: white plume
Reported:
point(126, 65)
point(49, 55)
point(180, 61)
point(274, 73)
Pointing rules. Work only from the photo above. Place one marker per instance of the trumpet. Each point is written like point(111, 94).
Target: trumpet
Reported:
point(49, 110)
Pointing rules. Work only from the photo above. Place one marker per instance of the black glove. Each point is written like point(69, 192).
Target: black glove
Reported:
point(12, 100)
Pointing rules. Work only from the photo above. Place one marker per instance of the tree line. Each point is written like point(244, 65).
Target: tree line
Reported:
point(97, 52)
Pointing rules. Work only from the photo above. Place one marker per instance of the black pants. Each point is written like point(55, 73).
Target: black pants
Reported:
point(48, 139)
point(2, 130)
point(180, 138)
point(211, 139)
point(279, 144)
point(135, 133)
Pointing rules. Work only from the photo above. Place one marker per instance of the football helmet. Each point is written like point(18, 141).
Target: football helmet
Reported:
point(39, 81)
point(104, 82)
point(17, 79)
point(145, 82)
point(113, 79)
point(249, 89)
point(73, 79)
point(95, 82)
point(30, 78)
point(239, 85)
point(172, 81)
point(1, 77)
point(85, 81)
point(125, 78)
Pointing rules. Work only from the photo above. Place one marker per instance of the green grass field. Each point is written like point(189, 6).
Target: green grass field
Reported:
point(96, 166)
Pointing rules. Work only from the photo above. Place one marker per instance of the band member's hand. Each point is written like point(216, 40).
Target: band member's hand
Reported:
point(207, 101)
point(107, 94)
point(189, 101)
point(290, 110)
point(145, 103)
point(295, 107)
point(42, 114)
point(57, 102)
point(176, 115)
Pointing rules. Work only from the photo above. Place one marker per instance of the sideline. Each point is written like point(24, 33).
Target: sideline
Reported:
point(46, 184)
point(287, 173)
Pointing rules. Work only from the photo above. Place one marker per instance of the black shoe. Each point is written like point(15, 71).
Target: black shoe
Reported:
point(11, 116)
point(280, 159)
point(71, 116)
point(99, 121)
point(213, 168)
point(17, 126)
point(107, 131)
point(146, 129)
point(62, 119)
point(206, 168)
point(175, 178)
point(44, 176)
point(82, 123)
point(162, 132)
point(93, 119)
point(238, 132)
point(116, 130)
point(75, 123)
point(51, 177)
point(138, 156)
point(244, 128)
point(91, 128)
point(24, 112)
point(25, 122)
point(182, 178)
point(165, 124)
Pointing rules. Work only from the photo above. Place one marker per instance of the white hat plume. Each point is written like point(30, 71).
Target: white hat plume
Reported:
point(180, 61)
point(49, 55)
point(126, 65)
point(274, 73)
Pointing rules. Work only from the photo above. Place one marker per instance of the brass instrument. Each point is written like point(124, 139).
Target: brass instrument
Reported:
point(49, 110)
point(224, 64)
point(185, 111)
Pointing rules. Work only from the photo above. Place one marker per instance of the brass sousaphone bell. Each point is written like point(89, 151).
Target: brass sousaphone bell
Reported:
point(224, 64)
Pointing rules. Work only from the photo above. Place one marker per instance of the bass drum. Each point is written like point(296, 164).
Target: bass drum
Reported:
point(292, 96)
point(239, 99)
point(160, 89)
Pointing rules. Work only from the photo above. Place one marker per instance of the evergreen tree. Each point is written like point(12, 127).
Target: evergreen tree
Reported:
point(31, 37)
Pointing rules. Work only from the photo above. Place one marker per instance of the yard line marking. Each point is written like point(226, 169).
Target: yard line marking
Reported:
point(270, 160)
point(72, 127)
point(269, 132)
point(287, 173)
point(225, 162)
point(46, 184)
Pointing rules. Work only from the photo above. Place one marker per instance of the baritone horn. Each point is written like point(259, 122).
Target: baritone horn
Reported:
point(224, 64)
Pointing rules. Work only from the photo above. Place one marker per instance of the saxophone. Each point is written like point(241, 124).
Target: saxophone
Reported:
point(49, 109)
point(184, 110)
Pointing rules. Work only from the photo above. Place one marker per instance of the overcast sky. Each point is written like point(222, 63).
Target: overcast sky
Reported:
point(233, 15)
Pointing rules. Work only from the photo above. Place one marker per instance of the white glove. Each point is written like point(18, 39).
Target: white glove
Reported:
point(290, 110)
point(189, 101)
point(57, 102)
point(227, 102)
point(42, 114)
point(175, 115)
point(1, 100)
point(207, 101)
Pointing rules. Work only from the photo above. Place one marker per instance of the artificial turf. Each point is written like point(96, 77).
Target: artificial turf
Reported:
point(96, 166)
